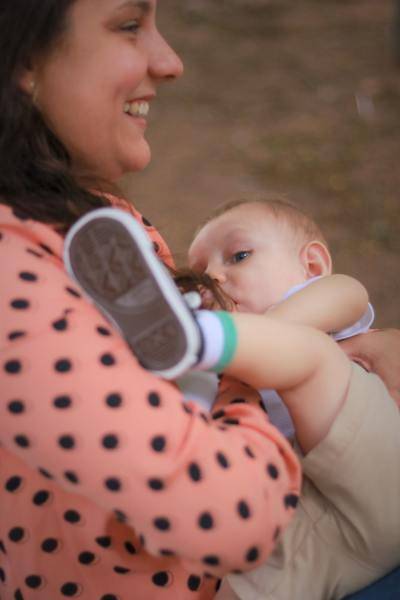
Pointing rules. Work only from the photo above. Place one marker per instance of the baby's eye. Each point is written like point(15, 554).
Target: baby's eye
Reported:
point(239, 256)
point(132, 26)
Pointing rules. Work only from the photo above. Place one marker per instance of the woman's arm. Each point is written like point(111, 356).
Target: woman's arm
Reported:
point(75, 401)
point(330, 304)
point(378, 351)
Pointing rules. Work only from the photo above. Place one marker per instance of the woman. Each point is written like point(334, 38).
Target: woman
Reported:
point(111, 487)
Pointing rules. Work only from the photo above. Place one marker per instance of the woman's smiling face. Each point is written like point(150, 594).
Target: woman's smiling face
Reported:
point(95, 87)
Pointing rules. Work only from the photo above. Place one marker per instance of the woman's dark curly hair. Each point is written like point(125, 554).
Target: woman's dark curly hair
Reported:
point(35, 167)
point(190, 281)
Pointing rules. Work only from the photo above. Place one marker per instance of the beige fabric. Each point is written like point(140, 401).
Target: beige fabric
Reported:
point(347, 529)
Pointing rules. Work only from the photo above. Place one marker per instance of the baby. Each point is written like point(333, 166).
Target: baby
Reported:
point(346, 530)
point(262, 253)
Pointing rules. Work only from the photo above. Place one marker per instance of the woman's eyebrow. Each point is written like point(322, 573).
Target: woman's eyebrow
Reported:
point(143, 5)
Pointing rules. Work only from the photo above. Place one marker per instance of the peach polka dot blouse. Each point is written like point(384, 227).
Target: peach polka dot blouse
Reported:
point(111, 487)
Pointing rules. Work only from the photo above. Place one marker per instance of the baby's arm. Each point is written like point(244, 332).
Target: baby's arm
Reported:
point(330, 304)
point(306, 367)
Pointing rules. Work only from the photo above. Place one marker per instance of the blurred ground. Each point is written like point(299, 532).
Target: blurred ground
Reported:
point(299, 97)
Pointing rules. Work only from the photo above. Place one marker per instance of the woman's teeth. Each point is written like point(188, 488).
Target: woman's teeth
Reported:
point(137, 109)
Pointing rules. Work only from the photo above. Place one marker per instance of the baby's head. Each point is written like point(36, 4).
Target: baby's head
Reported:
point(258, 250)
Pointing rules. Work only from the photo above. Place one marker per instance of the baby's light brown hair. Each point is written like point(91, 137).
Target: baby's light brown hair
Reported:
point(299, 223)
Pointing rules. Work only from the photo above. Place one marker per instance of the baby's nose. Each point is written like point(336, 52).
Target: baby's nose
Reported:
point(217, 274)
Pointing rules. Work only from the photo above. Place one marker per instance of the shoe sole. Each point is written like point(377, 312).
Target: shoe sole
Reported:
point(112, 259)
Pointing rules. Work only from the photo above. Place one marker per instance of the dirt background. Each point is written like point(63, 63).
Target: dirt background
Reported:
point(299, 97)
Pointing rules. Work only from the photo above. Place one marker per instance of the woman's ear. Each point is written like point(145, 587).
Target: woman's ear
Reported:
point(26, 82)
point(316, 259)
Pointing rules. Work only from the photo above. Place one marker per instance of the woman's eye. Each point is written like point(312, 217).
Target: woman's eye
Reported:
point(131, 26)
point(239, 256)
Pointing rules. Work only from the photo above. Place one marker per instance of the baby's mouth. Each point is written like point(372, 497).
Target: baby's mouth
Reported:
point(137, 108)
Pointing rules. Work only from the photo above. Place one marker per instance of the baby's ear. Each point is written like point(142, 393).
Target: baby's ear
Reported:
point(316, 259)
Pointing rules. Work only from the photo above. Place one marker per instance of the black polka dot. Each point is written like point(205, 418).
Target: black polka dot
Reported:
point(18, 595)
point(45, 473)
point(193, 583)
point(113, 484)
point(20, 304)
point(156, 484)
point(13, 367)
point(130, 548)
point(156, 247)
point(162, 523)
point(103, 331)
point(16, 407)
point(49, 545)
point(158, 443)
point(231, 421)
point(86, 558)
point(28, 276)
point(194, 472)
point(110, 441)
point(107, 359)
point(2, 547)
point(41, 497)
point(120, 515)
point(2, 575)
point(218, 584)
point(34, 252)
point(238, 401)
point(291, 500)
point(13, 484)
point(272, 471)
point(154, 399)
point(46, 248)
point(60, 325)
point(62, 402)
point(160, 579)
point(72, 516)
point(69, 589)
point(243, 509)
point(121, 570)
point(72, 292)
point(249, 452)
point(16, 534)
point(71, 476)
point(114, 400)
point(211, 559)
point(109, 597)
point(14, 335)
point(218, 414)
point(22, 441)
point(63, 365)
point(206, 521)
point(33, 581)
point(166, 552)
point(222, 460)
point(104, 541)
point(66, 442)
point(252, 554)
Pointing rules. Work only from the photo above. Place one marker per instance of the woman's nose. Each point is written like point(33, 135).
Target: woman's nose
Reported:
point(164, 63)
